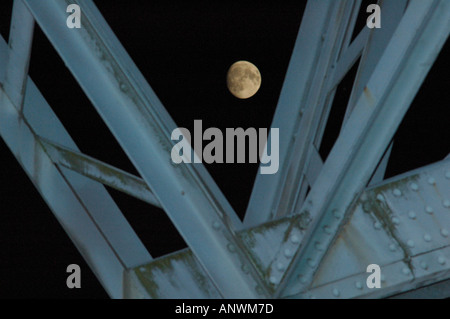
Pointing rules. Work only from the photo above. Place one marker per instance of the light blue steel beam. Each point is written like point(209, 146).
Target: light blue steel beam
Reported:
point(20, 41)
point(320, 40)
point(100, 172)
point(83, 207)
point(143, 128)
point(386, 98)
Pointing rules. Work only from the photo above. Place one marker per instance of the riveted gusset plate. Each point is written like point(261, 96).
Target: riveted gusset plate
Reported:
point(178, 275)
point(403, 226)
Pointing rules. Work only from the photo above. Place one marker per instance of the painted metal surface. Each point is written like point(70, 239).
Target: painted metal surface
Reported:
point(303, 102)
point(20, 41)
point(403, 225)
point(100, 172)
point(361, 144)
point(143, 128)
point(393, 224)
point(322, 247)
point(103, 242)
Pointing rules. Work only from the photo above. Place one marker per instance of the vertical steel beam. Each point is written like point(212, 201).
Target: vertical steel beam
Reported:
point(143, 128)
point(395, 81)
point(392, 12)
point(20, 42)
point(84, 209)
point(319, 42)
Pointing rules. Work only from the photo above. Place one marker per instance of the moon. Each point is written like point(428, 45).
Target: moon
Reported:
point(243, 79)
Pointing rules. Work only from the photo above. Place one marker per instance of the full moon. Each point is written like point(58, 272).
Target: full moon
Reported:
point(243, 79)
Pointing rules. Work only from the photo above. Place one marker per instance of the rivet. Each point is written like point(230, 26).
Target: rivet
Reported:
point(431, 181)
point(327, 229)
point(359, 285)
point(444, 232)
point(377, 225)
point(231, 248)
point(412, 214)
point(336, 214)
point(392, 247)
point(410, 243)
point(311, 263)
point(429, 209)
point(446, 203)
point(295, 239)
point(406, 271)
point(441, 260)
point(427, 238)
point(245, 269)
point(280, 266)
point(216, 225)
point(302, 279)
point(424, 265)
point(366, 207)
point(397, 192)
point(395, 220)
point(380, 197)
point(273, 280)
point(288, 253)
point(336, 292)
point(447, 175)
point(318, 246)
point(414, 187)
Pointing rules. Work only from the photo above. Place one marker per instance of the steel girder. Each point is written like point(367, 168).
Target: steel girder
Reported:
point(293, 256)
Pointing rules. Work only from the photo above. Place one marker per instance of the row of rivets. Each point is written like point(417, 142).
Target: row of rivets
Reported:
point(405, 270)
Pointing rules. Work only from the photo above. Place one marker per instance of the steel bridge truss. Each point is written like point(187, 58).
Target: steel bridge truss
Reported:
point(292, 243)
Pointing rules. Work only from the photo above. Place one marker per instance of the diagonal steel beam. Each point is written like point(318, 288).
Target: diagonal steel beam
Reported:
point(143, 128)
point(100, 172)
point(100, 232)
point(395, 81)
point(320, 40)
point(20, 41)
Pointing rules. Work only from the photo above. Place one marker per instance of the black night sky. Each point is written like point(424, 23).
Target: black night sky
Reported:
point(184, 49)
